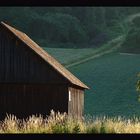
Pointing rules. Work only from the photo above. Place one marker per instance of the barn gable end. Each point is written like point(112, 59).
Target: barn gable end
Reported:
point(18, 63)
point(44, 55)
point(32, 81)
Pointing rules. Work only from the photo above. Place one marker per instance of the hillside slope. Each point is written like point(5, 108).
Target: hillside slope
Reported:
point(125, 43)
point(112, 80)
point(131, 42)
point(72, 57)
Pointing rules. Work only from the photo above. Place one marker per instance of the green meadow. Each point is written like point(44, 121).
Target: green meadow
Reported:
point(112, 80)
point(111, 77)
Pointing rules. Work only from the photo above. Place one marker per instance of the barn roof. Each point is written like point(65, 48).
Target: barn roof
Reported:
point(44, 55)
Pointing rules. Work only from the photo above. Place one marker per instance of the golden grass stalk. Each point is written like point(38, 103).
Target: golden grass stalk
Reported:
point(58, 122)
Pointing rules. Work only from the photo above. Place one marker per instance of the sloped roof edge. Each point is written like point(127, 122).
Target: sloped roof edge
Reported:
point(44, 55)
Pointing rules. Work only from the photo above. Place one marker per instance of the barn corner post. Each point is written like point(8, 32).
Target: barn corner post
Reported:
point(76, 102)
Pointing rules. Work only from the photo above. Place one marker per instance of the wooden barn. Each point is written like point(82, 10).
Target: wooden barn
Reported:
point(32, 81)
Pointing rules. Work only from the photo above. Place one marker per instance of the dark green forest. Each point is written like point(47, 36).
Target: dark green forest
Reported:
point(76, 27)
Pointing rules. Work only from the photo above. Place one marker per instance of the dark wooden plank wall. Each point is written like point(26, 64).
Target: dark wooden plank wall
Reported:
point(29, 85)
point(24, 100)
point(18, 63)
point(76, 105)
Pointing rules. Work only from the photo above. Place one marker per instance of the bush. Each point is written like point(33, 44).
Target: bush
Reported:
point(58, 27)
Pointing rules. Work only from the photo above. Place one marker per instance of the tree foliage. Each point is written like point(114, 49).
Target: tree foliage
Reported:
point(92, 26)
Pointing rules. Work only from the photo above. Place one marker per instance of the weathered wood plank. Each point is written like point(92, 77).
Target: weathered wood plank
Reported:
point(18, 63)
point(24, 100)
point(76, 105)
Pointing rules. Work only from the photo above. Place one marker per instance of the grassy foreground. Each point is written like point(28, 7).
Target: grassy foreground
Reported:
point(61, 123)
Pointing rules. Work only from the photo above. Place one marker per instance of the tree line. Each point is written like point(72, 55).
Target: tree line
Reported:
point(79, 26)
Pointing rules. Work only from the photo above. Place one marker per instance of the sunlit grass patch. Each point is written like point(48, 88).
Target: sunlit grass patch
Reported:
point(62, 123)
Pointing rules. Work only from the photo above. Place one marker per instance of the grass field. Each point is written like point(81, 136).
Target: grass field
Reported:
point(112, 79)
point(62, 123)
point(65, 55)
point(72, 57)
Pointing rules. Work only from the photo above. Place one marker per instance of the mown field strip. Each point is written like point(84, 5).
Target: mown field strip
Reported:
point(71, 57)
point(87, 59)
point(128, 54)
point(92, 56)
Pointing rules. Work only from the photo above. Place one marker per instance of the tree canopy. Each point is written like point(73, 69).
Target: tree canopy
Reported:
point(82, 26)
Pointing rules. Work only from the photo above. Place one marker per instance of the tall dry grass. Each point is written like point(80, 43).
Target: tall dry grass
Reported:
point(62, 123)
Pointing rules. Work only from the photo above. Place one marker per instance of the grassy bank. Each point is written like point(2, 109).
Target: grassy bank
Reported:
point(61, 123)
